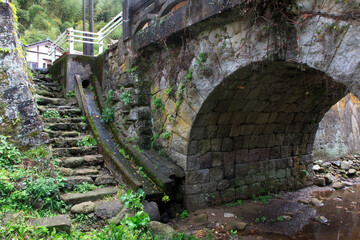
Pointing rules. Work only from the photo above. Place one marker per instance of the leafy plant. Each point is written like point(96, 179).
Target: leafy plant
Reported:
point(165, 199)
point(86, 141)
point(184, 214)
point(158, 103)
point(188, 75)
point(166, 135)
point(71, 94)
point(133, 200)
point(84, 187)
point(132, 69)
point(9, 154)
point(126, 97)
point(138, 148)
point(108, 114)
point(51, 113)
point(237, 203)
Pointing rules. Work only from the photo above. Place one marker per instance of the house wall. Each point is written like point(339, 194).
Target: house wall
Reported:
point(39, 54)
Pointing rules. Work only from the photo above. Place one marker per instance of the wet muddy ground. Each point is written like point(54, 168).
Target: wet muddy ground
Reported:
point(288, 216)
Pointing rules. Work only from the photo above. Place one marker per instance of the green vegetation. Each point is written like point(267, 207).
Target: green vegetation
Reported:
point(158, 103)
point(71, 94)
point(51, 113)
point(84, 187)
point(234, 204)
point(108, 114)
point(86, 141)
point(39, 19)
point(165, 199)
point(166, 135)
point(184, 214)
point(126, 97)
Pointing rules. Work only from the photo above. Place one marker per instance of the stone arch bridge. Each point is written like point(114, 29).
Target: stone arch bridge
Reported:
point(232, 91)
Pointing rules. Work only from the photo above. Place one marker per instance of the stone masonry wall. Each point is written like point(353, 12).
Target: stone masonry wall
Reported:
point(236, 100)
point(19, 117)
point(338, 134)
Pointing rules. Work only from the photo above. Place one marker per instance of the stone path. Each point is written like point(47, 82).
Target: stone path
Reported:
point(80, 164)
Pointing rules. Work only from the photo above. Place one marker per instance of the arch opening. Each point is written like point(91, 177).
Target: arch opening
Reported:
point(256, 131)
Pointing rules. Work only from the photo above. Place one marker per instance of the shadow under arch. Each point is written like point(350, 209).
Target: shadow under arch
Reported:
point(255, 132)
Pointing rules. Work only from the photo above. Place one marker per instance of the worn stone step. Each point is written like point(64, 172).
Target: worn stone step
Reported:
point(55, 134)
point(79, 171)
point(69, 111)
point(65, 120)
point(97, 194)
point(75, 151)
point(80, 127)
point(65, 142)
point(40, 86)
point(46, 93)
point(72, 181)
point(61, 223)
point(88, 160)
point(41, 100)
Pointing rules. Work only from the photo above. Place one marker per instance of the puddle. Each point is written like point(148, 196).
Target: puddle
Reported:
point(338, 218)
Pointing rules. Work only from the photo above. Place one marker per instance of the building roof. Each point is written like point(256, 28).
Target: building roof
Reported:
point(44, 41)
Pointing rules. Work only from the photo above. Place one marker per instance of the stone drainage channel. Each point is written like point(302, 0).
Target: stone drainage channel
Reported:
point(317, 212)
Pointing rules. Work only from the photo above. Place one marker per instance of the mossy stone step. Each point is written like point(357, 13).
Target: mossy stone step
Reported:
point(80, 127)
point(61, 223)
point(54, 134)
point(75, 151)
point(65, 142)
point(46, 93)
point(63, 110)
point(64, 120)
point(41, 100)
point(97, 194)
point(72, 181)
point(79, 172)
point(87, 160)
point(57, 89)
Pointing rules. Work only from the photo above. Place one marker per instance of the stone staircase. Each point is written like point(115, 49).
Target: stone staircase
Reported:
point(67, 128)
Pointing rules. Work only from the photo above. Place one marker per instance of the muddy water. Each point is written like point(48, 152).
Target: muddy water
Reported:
point(341, 208)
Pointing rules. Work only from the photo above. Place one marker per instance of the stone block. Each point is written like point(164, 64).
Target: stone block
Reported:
point(227, 144)
point(242, 156)
point(106, 210)
point(279, 139)
point(262, 118)
point(192, 148)
point(241, 170)
point(247, 129)
point(269, 128)
point(205, 161)
point(264, 154)
point(200, 188)
point(229, 158)
point(217, 159)
point(242, 192)
point(238, 118)
point(152, 209)
point(197, 133)
point(255, 188)
point(222, 106)
point(229, 171)
point(223, 184)
point(252, 117)
point(238, 142)
point(216, 174)
point(285, 151)
point(254, 140)
point(211, 131)
point(235, 130)
point(273, 117)
point(196, 201)
point(254, 155)
point(199, 176)
point(61, 223)
point(225, 118)
point(193, 163)
point(216, 144)
point(212, 118)
point(203, 147)
point(279, 128)
point(228, 195)
point(223, 131)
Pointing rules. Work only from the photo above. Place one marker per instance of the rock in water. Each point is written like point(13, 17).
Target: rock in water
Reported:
point(316, 202)
point(338, 185)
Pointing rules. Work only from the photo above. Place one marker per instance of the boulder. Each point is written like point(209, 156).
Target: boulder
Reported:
point(351, 172)
point(200, 218)
point(83, 208)
point(152, 209)
point(345, 165)
point(108, 210)
point(316, 202)
point(329, 178)
point(163, 231)
point(316, 168)
point(336, 163)
point(122, 214)
point(236, 226)
point(320, 181)
point(338, 185)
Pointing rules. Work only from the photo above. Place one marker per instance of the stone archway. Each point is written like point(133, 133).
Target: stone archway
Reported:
point(256, 130)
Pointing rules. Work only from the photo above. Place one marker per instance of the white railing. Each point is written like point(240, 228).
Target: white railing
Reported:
point(72, 36)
